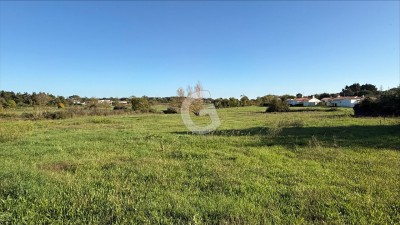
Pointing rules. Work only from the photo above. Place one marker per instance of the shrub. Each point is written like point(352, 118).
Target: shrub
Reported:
point(60, 105)
point(152, 110)
point(387, 105)
point(120, 107)
point(276, 105)
point(58, 115)
point(140, 104)
point(172, 110)
point(11, 104)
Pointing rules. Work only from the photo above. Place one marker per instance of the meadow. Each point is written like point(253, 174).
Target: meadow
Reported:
point(300, 167)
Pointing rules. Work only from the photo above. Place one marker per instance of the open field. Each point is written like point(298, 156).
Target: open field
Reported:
point(297, 167)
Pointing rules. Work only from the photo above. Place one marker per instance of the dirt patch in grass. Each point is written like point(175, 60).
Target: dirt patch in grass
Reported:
point(62, 166)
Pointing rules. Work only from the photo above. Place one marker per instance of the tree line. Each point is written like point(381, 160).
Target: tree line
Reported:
point(9, 99)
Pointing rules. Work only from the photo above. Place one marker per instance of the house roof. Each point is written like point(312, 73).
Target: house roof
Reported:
point(326, 99)
point(347, 97)
point(300, 99)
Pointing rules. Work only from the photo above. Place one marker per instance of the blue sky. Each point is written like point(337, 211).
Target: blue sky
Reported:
point(125, 48)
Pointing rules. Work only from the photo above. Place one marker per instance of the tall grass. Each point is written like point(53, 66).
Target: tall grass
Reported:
point(10, 131)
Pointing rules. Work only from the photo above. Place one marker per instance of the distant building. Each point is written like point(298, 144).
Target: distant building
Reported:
point(297, 101)
point(349, 101)
point(104, 101)
point(311, 102)
point(326, 100)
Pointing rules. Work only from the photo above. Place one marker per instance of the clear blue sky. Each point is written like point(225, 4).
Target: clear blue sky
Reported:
point(124, 48)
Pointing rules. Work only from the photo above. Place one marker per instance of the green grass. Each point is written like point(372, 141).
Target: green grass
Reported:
point(322, 167)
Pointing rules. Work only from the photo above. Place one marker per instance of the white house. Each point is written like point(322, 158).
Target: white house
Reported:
point(297, 101)
point(350, 101)
point(311, 102)
point(104, 101)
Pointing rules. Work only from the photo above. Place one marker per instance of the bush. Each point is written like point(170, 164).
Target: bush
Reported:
point(140, 104)
point(60, 105)
point(120, 107)
point(276, 105)
point(58, 115)
point(387, 105)
point(10, 104)
point(172, 110)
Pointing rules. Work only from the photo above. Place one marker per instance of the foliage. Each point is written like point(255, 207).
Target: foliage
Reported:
point(10, 104)
point(299, 95)
point(172, 110)
point(286, 97)
point(323, 95)
point(388, 104)
point(277, 105)
point(120, 107)
point(245, 101)
point(196, 95)
point(359, 90)
point(60, 105)
point(140, 104)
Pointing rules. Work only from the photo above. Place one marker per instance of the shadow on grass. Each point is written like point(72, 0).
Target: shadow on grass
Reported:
point(385, 136)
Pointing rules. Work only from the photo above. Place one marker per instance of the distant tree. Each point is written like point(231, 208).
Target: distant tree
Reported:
point(267, 99)
point(286, 97)
point(180, 97)
point(368, 90)
point(42, 99)
point(299, 95)
point(322, 95)
point(245, 101)
point(140, 104)
point(196, 94)
point(358, 90)
point(233, 102)
point(277, 105)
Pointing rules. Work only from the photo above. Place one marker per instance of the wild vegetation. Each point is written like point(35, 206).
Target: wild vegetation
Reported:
point(388, 104)
point(314, 167)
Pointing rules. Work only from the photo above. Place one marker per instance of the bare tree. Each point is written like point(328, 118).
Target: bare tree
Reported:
point(42, 99)
point(181, 96)
point(196, 94)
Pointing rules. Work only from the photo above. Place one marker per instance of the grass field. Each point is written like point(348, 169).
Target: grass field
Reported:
point(322, 167)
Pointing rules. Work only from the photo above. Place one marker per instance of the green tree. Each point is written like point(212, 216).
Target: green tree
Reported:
point(140, 104)
point(233, 102)
point(277, 105)
point(245, 101)
point(322, 95)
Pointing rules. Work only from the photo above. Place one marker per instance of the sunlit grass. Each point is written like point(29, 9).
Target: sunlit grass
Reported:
point(257, 168)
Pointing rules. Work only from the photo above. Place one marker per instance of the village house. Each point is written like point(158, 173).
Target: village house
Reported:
point(303, 101)
point(349, 101)
point(311, 102)
point(297, 101)
point(104, 101)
